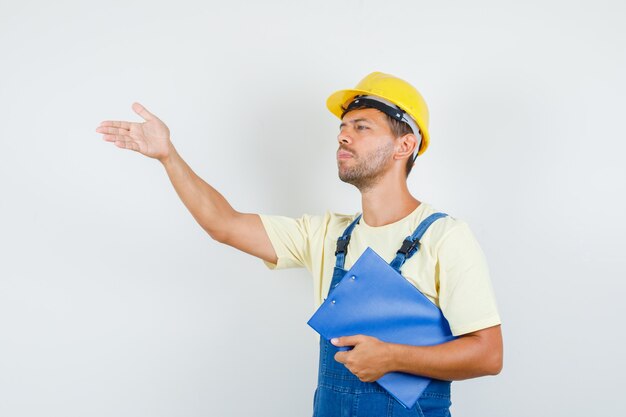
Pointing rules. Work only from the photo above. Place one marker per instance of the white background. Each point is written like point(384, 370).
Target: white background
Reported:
point(114, 302)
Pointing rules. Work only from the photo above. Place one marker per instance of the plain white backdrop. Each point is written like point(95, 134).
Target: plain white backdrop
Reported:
point(114, 302)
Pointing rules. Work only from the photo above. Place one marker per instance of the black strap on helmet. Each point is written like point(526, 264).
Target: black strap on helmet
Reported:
point(395, 113)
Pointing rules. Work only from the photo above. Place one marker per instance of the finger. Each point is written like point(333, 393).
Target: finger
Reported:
point(127, 144)
point(117, 138)
point(112, 130)
point(116, 123)
point(341, 357)
point(143, 112)
point(347, 340)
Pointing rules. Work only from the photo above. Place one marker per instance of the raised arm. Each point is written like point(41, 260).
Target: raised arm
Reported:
point(213, 213)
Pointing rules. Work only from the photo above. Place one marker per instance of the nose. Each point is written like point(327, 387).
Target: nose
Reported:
point(344, 136)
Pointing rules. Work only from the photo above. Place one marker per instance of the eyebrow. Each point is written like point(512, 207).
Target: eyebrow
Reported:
point(355, 121)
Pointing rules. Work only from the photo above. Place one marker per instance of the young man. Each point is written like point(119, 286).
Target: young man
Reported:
point(384, 127)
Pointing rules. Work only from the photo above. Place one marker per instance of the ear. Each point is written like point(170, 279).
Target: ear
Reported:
point(405, 146)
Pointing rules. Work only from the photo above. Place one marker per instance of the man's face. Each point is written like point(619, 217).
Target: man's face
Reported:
point(366, 147)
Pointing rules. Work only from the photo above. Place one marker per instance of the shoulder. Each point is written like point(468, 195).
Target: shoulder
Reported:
point(444, 230)
point(334, 219)
point(333, 224)
point(311, 224)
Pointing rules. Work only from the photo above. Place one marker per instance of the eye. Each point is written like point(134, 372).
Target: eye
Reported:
point(361, 127)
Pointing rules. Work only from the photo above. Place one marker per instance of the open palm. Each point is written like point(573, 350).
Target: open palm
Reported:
point(150, 138)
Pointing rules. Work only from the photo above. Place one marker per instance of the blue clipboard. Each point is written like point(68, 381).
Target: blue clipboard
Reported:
point(373, 299)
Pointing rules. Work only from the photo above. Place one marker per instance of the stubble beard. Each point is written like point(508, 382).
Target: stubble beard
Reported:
point(369, 168)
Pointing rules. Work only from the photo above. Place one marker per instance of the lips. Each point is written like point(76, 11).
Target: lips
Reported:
point(342, 154)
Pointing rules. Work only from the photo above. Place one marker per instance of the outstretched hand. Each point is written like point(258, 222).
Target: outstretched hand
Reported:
point(150, 138)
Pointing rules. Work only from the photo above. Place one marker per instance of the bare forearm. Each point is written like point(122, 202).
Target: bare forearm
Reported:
point(205, 203)
point(244, 231)
point(463, 358)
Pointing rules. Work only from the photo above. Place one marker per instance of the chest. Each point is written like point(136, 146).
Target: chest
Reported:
point(421, 269)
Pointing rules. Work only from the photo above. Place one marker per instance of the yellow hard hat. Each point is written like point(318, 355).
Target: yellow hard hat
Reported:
point(391, 89)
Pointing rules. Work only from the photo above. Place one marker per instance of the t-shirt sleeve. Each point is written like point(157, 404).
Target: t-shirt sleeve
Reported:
point(466, 295)
point(291, 239)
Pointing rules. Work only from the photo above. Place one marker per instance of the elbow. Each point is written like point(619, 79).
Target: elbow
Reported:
point(222, 229)
point(216, 235)
point(492, 349)
point(220, 236)
point(494, 364)
point(216, 231)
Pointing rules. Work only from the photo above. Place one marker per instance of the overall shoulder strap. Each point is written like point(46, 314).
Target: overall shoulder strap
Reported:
point(342, 243)
point(411, 244)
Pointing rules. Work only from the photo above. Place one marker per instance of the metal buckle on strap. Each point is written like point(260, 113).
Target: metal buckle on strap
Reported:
point(408, 246)
point(342, 244)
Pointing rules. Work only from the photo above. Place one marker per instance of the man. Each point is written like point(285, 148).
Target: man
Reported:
point(384, 127)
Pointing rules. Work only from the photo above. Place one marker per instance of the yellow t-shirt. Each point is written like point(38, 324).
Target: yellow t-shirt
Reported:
point(449, 268)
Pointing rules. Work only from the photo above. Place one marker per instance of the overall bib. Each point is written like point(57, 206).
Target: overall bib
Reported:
point(339, 392)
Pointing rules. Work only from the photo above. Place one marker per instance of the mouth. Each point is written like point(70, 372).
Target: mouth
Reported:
point(341, 154)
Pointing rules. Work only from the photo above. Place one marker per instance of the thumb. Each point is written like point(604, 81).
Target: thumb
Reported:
point(347, 340)
point(143, 112)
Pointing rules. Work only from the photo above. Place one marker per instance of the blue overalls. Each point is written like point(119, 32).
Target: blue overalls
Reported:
point(339, 392)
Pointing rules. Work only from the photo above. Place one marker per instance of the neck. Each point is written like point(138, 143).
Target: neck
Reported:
point(387, 202)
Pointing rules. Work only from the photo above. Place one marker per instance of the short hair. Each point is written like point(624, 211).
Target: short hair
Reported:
point(398, 129)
